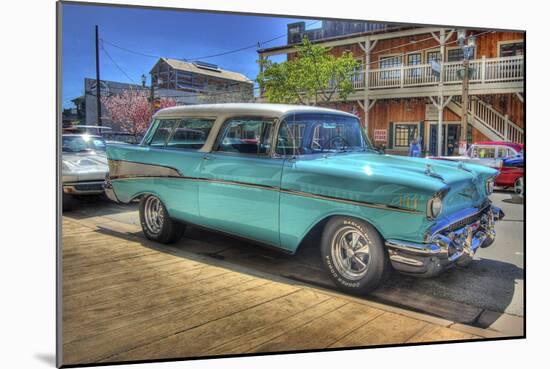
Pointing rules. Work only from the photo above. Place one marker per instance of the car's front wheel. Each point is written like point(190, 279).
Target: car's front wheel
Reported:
point(353, 254)
point(156, 223)
point(519, 188)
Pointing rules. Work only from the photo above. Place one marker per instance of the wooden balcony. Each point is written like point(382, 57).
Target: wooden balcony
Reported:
point(494, 75)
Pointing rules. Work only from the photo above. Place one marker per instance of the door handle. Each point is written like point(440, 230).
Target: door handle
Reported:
point(207, 157)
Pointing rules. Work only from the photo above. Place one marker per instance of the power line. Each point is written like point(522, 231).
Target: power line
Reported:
point(115, 63)
point(150, 55)
point(257, 87)
point(184, 96)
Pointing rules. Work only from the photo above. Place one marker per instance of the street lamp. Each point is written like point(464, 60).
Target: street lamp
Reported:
point(143, 80)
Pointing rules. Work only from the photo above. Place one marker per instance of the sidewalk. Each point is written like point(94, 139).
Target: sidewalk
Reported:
point(125, 298)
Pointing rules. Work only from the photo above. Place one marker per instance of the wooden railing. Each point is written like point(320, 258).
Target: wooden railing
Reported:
point(497, 122)
point(483, 70)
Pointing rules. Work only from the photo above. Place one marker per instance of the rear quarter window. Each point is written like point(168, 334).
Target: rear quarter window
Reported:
point(162, 132)
point(190, 133)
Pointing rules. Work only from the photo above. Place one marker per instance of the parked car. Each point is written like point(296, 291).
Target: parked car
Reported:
point(507, 157)
point(308, 171)
point(512, 174)
point(125, 137)
point(488, 153)
point(84, 166)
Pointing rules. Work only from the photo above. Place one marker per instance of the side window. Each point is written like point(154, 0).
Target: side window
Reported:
point(503, 152)
point(190, 133)
point(246, 136)
point(487, 152)
point(163, 131)
point(289, 139)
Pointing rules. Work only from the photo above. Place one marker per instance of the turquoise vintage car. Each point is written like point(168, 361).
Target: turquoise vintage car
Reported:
point(276, 174)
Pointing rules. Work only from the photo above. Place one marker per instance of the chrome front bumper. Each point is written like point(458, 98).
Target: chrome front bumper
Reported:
point(83, 188)
point(453, 242)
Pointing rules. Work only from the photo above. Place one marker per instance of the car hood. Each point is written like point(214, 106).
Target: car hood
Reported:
point(390, 179)
point(90, 161)
point(488, 162)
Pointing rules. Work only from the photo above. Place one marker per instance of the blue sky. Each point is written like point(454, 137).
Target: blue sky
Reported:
point(176, 34)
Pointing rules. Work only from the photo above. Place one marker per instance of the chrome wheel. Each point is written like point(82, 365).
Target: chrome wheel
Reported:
point(518, 186)
point(153, 214)
point(350, 251)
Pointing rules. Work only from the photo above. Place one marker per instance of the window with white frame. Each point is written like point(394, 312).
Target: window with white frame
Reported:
point(433, 55)
point(511, 49)
point(414, 59)
point(404, 134)
point(456, 54)
point(358, 75)
point(389, 62)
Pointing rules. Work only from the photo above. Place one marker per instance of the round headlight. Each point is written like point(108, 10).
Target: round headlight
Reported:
point(490, 186)
point(435, 207)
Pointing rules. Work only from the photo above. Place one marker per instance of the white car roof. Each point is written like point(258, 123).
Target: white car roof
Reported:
point(275, 110)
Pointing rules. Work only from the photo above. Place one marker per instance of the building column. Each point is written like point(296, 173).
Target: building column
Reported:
point(367, 103)
point(440, 104)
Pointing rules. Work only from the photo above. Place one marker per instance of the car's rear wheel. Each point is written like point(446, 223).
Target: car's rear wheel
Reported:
point(156, 223)
point(353, 254)
point(519, 187)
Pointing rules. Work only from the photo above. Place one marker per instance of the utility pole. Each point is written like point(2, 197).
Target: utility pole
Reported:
point(467, 44)
point(153, 81)
point(97, 79)
point(464, 126)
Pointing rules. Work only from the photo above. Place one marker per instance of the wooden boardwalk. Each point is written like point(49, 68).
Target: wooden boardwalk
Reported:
point(125, 299)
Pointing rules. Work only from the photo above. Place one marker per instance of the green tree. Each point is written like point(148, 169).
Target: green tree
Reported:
point(313, 77)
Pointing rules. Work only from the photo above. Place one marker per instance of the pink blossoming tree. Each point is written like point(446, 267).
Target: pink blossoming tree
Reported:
point(132, 110)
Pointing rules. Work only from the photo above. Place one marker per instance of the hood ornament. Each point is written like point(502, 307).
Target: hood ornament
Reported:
point(461, 166)
point(430, 172)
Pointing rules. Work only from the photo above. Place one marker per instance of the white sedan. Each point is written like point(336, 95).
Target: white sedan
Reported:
point(490, 154)
point(84, 166)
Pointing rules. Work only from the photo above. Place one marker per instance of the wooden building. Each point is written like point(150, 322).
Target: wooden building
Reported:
point(200, 78)
point(403, 94)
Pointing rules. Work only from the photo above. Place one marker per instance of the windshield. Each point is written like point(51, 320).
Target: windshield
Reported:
point(302, 134)
point(82, 143)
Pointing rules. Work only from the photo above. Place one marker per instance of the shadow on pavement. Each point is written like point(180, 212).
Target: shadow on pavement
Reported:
point(96, 206)
point(515, 199)
point(460, 294)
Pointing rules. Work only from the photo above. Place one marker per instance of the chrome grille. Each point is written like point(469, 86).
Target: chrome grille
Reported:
point(466, 221)
point(89, 186)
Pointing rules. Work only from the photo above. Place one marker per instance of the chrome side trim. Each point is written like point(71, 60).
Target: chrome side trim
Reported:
point(221, 181)
point(129, 169)
point(124, 170)
point(236, 183)
point(351, 202)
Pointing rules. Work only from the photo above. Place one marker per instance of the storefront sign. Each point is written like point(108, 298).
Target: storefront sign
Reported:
point(381, 135)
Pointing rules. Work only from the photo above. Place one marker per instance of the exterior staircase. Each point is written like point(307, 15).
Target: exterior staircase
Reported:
point(487, 120)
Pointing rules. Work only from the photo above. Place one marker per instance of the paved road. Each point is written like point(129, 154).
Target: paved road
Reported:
point(490, 288)
point(126, 298)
